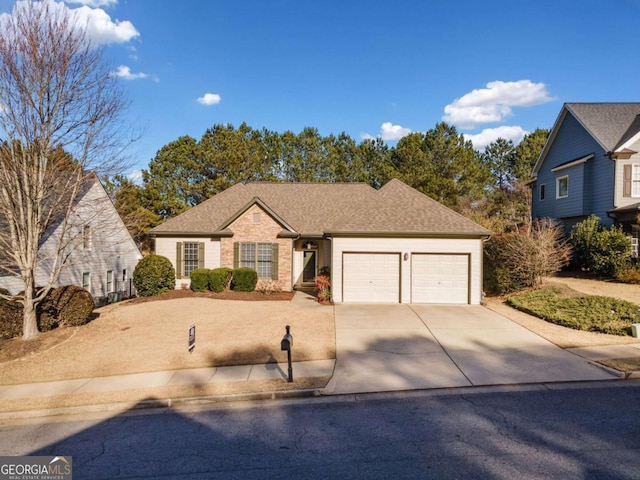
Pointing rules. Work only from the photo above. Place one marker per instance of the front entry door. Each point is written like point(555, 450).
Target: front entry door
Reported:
point(309, 269)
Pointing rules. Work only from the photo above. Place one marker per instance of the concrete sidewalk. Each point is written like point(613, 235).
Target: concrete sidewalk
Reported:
point(271, 371)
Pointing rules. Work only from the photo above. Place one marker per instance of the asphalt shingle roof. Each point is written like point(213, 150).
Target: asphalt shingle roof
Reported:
point(610, 123)
point(334, 208)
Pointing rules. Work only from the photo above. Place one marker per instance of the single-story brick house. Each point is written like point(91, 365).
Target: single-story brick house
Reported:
point(392, 245)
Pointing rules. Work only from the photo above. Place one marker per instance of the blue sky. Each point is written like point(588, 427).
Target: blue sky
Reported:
point(368, 68)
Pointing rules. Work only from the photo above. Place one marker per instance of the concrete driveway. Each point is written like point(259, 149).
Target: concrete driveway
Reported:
point(404, 347)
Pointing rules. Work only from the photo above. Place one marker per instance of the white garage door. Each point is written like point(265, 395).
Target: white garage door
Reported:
point(371, 277)
point(439, 278)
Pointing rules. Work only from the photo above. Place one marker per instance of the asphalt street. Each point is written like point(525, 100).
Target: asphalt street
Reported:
point(585, 431)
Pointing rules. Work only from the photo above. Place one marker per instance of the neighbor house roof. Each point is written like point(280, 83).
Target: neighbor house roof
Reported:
point(612, 125)
point(316, 209)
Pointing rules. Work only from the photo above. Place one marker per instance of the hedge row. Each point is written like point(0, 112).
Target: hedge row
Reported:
point(221, 279)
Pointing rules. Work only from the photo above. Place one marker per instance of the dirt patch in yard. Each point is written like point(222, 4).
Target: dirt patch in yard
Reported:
point(146, 336)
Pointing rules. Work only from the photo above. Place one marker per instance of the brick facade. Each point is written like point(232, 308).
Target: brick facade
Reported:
point(255, 225)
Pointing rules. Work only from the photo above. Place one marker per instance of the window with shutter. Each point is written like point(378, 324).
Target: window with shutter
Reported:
point(261, 257)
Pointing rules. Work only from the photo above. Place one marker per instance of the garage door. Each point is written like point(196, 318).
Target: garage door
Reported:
point(371, 277)
point(439, 278)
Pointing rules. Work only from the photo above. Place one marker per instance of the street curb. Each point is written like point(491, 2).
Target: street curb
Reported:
point(161, 403)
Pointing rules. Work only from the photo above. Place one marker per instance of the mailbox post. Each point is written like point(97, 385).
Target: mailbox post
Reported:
point(286, 344)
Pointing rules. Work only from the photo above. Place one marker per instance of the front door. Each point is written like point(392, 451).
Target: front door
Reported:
point(309, 269)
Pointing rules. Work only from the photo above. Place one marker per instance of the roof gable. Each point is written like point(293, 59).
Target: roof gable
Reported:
point(612, 125)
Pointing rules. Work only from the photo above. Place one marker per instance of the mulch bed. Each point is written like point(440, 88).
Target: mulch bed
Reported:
point(228, 295)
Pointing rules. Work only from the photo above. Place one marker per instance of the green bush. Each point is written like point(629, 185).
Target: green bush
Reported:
point(69, 305)
point(4, 291)
point(244, 279)
point(200, 280)
point(154, 275)
point(10, 320)
point(220, 279)
point(603, 251)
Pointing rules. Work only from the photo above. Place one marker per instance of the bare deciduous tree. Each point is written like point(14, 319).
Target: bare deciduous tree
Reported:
point(59, 123)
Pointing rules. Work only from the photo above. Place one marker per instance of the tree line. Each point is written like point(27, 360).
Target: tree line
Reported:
point(488, 187)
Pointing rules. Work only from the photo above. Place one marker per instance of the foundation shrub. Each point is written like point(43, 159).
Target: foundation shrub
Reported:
point(268, 286)
point(244, 279)
point(220, 279)
point(200, 280)
point(154, 275)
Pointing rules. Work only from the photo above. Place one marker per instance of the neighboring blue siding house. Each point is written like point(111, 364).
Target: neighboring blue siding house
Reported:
point(590, 164)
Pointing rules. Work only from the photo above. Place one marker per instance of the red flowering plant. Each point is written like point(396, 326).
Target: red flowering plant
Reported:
point(323, 286)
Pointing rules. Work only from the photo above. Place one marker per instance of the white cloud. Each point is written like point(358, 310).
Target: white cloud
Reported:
point(488, 135)
point(493, 103)
point(94, 3)
point(388, 132)
point(124, 72)
point(100, 29)
point(210, 99)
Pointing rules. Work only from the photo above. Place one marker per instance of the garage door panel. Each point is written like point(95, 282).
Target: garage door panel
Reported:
point(371, 277)
point(440, 278)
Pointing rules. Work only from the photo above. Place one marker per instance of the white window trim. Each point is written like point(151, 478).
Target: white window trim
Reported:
point(543, 189)
point(558, 196)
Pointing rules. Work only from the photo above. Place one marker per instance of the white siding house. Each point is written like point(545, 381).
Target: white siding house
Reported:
point(99, 255)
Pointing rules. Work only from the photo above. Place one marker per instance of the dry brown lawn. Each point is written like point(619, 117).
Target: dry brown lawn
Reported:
point(132, 337)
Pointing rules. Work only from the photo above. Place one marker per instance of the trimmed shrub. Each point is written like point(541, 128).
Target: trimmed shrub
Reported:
point(10, 320)
point(603, 251)
point(71, 304)
point(244, 279)
point(220, 279)
point(154, 275)
point(4, 291)
point(200, 280)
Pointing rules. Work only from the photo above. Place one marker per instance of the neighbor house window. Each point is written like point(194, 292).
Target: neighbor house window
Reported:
point(562, 187)
point(109, 281)
point(543, 191)
point(189, 257)
point(261, 257)
point(86, 237)
point(635, 180)
point(86, 280)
